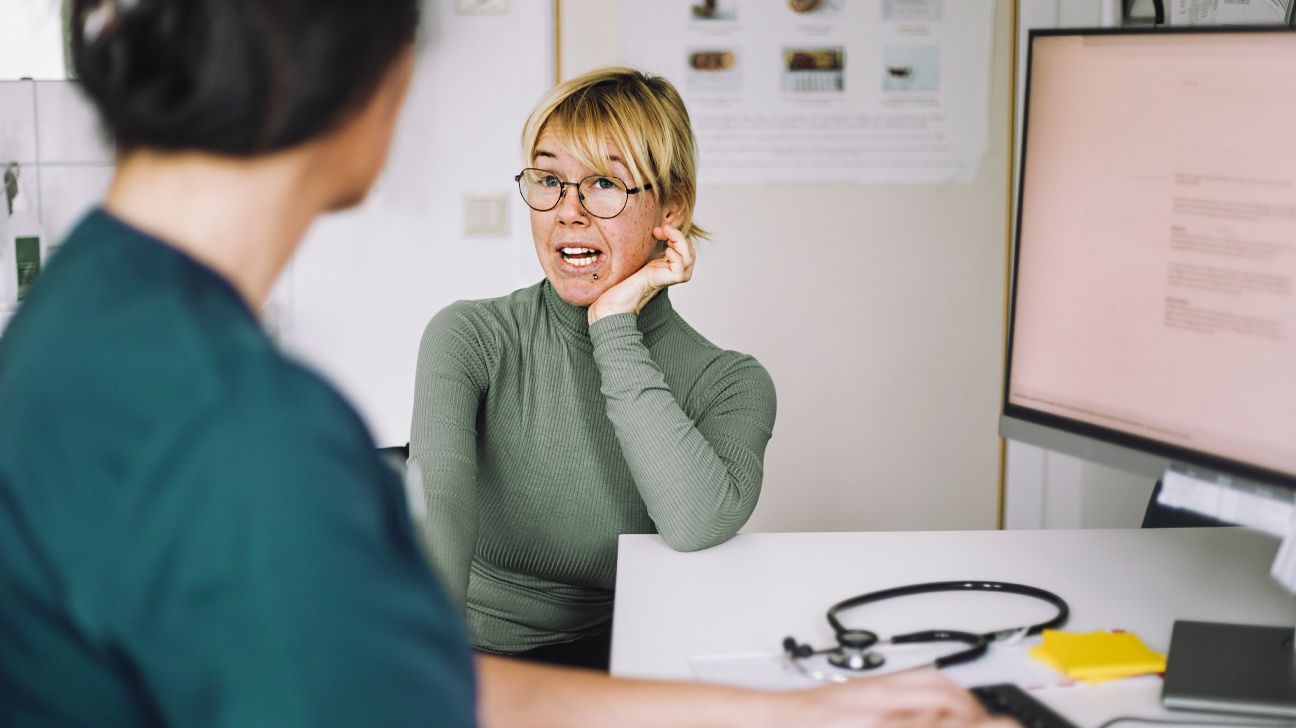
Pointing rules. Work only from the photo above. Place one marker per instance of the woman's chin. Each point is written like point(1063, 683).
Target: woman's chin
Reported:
point(577, 293)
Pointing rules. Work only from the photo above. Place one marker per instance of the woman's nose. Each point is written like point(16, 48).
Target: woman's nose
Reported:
point(570, 211)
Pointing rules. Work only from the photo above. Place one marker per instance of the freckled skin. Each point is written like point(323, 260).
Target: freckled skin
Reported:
point(625, 241)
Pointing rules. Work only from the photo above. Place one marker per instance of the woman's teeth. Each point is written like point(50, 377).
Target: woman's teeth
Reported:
point(580, 257)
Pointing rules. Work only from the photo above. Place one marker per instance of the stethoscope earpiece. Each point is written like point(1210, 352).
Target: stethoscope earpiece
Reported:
point(796, 650)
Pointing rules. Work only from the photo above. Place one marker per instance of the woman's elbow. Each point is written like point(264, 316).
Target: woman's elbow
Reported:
point(696, 538)
point(722, 519)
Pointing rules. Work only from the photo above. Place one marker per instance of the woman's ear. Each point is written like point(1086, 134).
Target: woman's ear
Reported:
point(675, 214)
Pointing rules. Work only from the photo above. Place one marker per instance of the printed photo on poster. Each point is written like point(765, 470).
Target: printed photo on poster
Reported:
point(911, 68)
point(814, 69)
point(715, 10)
point(713, 71)
point(815, 7)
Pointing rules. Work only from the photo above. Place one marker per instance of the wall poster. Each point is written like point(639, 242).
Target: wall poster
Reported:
point(824, 91)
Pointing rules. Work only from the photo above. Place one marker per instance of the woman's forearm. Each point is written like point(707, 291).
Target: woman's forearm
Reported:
point(699, 480)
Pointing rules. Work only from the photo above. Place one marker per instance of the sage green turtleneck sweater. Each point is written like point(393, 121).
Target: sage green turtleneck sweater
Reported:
point(539, 439)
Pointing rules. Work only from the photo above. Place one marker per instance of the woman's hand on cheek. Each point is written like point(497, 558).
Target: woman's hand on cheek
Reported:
point(631, 295)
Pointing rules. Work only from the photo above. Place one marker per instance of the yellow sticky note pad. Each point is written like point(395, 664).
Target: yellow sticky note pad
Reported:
point(1097, 656)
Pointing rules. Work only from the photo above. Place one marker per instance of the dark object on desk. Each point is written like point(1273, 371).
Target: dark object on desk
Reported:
point(1011, 701)
point(1231, 668)
point(1159, 516)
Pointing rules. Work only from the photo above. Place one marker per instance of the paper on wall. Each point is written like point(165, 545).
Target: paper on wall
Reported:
point(1227, 12)
point(825, 91)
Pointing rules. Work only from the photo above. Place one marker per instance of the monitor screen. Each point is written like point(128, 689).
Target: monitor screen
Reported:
point(1154, 303)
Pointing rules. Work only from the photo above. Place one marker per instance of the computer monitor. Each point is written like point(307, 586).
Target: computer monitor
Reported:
point(1153, 315)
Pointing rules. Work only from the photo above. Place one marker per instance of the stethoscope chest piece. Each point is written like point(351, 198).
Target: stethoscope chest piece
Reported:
point(852, 651)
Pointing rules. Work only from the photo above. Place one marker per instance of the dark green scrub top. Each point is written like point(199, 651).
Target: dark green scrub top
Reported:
point(194, 530)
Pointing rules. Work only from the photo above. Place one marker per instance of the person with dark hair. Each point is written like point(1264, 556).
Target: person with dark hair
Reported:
point(193, 529)
point(196, 531)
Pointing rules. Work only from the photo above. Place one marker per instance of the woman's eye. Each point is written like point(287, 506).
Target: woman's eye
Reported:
point(604, 183)
point(549, 181)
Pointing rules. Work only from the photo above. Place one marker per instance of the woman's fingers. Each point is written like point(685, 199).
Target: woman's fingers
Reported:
point(679, 251)
point(676, 260)
point(684, 246)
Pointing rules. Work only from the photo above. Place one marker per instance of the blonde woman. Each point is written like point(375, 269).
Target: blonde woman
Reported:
point(551, 420)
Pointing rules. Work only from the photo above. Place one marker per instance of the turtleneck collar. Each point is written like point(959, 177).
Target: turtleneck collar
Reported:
point(574, 319)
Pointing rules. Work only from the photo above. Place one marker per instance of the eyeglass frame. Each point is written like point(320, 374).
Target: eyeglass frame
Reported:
point(562, 185)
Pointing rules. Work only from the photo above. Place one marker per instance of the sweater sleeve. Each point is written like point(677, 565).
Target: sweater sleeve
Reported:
point(699, 480)
point(453, 368)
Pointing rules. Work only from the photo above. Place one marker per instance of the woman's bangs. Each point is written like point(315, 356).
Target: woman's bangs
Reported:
point(589, 130)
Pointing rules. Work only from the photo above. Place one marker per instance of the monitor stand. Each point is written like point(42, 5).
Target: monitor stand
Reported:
point(1231, 668)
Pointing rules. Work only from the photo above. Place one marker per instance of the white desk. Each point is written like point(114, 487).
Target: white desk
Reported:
point(747, 595)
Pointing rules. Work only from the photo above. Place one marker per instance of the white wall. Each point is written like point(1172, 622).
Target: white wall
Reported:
point(878, 311)
point(357, 296)
point(31, 40)
point(354, 300)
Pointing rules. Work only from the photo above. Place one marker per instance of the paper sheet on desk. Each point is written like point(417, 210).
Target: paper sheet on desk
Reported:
point(771, 670)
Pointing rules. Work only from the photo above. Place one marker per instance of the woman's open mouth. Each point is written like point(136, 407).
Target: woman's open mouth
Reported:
point(579, 257)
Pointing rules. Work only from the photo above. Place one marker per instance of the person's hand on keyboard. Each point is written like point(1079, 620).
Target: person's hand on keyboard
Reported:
point(902, 700)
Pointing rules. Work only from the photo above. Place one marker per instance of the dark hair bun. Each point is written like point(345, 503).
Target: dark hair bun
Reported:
point(234, 77)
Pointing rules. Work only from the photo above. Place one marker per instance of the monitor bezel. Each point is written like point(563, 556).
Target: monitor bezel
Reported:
point(1128, 448)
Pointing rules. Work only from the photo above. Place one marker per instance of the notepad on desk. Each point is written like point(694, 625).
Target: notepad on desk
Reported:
point(1097, 656)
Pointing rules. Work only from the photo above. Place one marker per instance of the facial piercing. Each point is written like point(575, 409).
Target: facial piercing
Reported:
point(596, 276)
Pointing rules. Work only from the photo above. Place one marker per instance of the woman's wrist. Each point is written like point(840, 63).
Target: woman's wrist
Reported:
point(602, 309)
point(597, 312)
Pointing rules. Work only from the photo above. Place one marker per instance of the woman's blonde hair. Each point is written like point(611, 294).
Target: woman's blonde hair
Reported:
point(641, 114)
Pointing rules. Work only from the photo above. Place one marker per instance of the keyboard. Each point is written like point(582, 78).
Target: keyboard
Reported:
point(1011, 701)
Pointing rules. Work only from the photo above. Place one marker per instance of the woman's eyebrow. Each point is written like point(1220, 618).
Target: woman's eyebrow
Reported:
point(540, 153)
point(614, 159)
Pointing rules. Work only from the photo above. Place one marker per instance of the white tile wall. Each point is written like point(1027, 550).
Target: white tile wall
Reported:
point(17, 123)
point(67, 192)
point(52, 132)
point(29, 182)
point(68, 130)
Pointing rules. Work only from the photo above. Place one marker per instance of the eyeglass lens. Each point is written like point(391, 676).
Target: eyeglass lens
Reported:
point(600, 196)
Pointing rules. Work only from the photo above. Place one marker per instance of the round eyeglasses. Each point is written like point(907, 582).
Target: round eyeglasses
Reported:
point(601, 196)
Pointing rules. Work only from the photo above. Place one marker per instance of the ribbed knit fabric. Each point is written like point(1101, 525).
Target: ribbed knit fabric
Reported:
point(540, 439)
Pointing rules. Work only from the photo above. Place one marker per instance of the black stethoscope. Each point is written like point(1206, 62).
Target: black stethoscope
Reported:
point(854, 646)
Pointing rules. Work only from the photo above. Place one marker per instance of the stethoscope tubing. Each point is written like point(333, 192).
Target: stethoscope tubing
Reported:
point(1005, 587)
point(978, 643)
